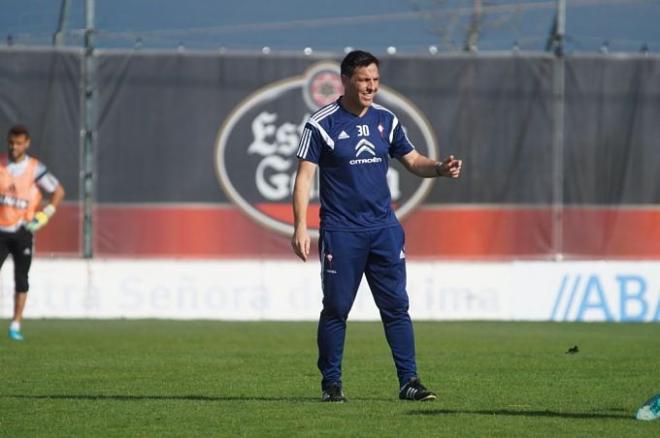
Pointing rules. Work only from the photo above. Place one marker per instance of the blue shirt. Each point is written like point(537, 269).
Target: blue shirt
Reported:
point(353, 156)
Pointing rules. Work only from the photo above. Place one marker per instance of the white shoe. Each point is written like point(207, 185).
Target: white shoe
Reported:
point(650, 410)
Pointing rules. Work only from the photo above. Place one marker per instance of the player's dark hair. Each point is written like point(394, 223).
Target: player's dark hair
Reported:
point(355, 59)
point(17, 130)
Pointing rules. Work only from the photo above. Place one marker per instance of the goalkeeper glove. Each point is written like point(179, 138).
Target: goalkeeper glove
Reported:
point(40, 219)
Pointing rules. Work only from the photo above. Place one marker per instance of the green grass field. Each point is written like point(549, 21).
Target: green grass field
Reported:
point(201, 378)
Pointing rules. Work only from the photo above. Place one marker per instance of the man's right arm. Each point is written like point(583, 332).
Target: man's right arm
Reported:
point(300, 241)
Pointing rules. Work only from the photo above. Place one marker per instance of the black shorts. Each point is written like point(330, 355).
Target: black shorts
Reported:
point(19, 245)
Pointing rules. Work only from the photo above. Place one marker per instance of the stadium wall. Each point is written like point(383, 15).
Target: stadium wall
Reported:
point(193, 150)
point(284, 290)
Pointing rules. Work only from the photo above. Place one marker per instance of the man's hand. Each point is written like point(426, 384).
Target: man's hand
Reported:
point(451, 167)
point(40, 219)
point(300, 242)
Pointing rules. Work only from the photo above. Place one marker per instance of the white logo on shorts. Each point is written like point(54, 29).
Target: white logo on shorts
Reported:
point(329, 266)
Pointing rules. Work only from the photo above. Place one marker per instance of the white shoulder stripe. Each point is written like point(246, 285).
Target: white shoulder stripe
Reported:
point(382, 108)
point(325, 112)
point(395, 123)
point(324, 134)
point(304, 143)
point(314, 121)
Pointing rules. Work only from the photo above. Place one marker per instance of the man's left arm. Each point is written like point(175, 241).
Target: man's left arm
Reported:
point(56, 197)
point(425, 167)
point(54, 193)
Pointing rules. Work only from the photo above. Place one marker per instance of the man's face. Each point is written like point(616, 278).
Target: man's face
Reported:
point(18, 144)
point(363, 85)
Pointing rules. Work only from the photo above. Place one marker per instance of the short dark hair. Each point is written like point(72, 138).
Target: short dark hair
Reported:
point(355, 59)
point(17, 130)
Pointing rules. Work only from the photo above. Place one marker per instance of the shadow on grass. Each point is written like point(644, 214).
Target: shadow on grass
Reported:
point(202, 398)
point(522, 413)
point(138, 398)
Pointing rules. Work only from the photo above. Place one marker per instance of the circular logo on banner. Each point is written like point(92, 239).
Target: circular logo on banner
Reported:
point(255, 152)
point(322, 85)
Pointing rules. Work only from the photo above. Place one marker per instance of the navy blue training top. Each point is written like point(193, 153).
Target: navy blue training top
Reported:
point(353, 155)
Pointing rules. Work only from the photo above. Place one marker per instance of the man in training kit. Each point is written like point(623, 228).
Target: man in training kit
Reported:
point(359, 231)
point(23, 183)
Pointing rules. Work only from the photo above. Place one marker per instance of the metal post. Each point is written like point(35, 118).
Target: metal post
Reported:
point(559, 92)
point(58, 38)
point(89, 131)
point(555, 42)
point(561, 26)
point(472, 39)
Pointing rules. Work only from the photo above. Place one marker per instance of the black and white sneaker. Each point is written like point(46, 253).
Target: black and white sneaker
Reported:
point(414, 390)
point(333, 393)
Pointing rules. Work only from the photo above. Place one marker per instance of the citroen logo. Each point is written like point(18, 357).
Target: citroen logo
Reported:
point(365, 146)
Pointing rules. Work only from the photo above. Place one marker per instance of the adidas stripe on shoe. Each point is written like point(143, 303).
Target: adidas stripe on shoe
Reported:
point(333, 393)
point(414, 390)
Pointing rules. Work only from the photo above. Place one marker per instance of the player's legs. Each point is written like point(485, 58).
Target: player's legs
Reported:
point(5, 239)
point(20, 248)
point(20, 298)
point(386, 274)
point(4, 246)
point(343, 256)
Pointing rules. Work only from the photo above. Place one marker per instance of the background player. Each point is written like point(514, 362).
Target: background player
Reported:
point(351, 141)
point(23, 181)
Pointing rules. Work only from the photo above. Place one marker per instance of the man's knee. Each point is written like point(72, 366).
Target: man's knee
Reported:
point(22, 284)
point(394, 313)
point(335, 311)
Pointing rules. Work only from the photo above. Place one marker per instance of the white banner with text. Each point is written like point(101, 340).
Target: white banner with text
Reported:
point(288, 290)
